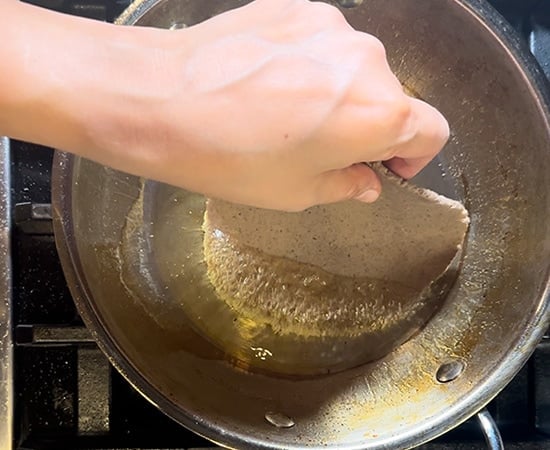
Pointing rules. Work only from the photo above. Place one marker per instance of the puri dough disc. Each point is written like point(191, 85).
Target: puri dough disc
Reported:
point(338, 270)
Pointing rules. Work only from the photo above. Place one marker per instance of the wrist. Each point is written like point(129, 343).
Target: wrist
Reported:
point(127, 94)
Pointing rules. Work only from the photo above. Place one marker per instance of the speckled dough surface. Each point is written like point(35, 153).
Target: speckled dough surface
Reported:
point(340, 269)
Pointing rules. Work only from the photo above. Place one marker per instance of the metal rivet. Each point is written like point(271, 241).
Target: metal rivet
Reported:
point(279, 420)
point(178, 26)
point(349, 3)
point(450, 371)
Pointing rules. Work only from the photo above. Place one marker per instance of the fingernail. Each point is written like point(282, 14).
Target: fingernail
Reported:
point(368, 196)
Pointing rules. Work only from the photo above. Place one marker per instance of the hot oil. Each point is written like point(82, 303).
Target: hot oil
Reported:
point(170, 280)
point(163, 265)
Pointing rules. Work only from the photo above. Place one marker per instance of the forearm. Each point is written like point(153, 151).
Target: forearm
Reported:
point(69, 83)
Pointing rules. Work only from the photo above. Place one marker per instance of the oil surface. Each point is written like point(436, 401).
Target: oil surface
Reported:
point(163, 265)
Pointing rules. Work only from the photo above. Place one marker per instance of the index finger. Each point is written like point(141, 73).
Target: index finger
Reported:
point(432, 134)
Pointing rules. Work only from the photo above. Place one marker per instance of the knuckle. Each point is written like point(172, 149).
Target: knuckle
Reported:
point(369, 44)
point(374, 44)
point(358, 181)
point(351, 189)
point(327, 13)
point(399, 119)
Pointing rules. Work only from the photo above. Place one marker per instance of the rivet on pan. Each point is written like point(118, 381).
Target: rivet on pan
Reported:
point(279, 420)
point(349, 3)
point(449, 371)
point(178, 26)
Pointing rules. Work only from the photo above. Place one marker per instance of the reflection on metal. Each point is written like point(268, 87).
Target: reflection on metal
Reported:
point(178, 26)
point(279, 420)
point(51, 335)
point(93, 391)
point(449, 371)
point(490, 430)
point(6, 350)
point(349, 3)
point(33, 218)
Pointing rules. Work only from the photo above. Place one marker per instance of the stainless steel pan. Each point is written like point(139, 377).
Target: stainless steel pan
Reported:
point(458, 55)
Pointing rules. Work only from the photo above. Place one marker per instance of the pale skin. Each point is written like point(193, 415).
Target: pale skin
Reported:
point(276, 104)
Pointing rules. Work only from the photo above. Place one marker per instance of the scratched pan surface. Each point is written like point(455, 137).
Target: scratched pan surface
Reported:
point(497, 163)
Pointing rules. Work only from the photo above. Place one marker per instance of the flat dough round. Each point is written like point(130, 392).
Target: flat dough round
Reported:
point(339, 270)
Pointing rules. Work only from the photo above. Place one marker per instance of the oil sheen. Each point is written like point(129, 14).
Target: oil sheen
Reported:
point(316, 330)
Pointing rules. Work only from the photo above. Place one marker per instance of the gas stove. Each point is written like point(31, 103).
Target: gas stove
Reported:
point(58, 391)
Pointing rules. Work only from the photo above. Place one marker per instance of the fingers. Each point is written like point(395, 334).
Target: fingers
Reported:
point(365, 132)
point(432, 132)
point(358, 181)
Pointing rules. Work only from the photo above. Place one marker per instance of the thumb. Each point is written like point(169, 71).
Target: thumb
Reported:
point(357, 181)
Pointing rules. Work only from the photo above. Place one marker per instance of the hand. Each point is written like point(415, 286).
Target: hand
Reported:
point(279, 104)
point(276, 104)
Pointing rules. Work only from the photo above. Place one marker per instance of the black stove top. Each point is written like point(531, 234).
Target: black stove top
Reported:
point(67, 394)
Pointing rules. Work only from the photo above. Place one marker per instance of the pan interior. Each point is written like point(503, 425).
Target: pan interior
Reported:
point(497, 163)
point(162, 263)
